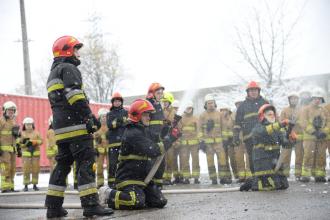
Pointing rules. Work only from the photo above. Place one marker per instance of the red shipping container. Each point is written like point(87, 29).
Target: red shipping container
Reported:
point(39, 109)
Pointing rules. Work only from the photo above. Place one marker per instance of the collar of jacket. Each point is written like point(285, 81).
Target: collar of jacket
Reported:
point(116, 108)
point(59, 60)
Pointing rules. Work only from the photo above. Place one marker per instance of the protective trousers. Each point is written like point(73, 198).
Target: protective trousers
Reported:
point(169, 164)
point(83, 153)
point(314, 161)
point(185, 152)
point(113, 154)
point(52, 163)
point(100, 170)
point(223, 165)
point(31, 166)
point(242, 163)
point(249, 148)
point(299, 152)
point(7, 170)
point(232, 161)
point(137, 197)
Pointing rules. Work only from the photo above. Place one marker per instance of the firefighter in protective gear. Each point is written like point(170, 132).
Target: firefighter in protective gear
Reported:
point(327, 107)
point(154, 96)
point(316, 129)
point(169, 113)
point(247, 117)
point(243, 171)
point(116, 121)
point(135, 162)
point(30, 144)
point(9, 134)
point(227, 125)
point(51, 145)
point(268, 137)
point(211, 140)
point(189, 144)
point(101, 144)
point(178, 176)
point(292, 113)
point(73, 123)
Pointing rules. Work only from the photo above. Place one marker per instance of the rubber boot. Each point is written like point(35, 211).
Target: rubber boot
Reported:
point(214, 182)
point(96, 210)
point(6, 191)
point(167, 182)
point(305, 179)
point(56, 212)
point(185, 181)
point(320, 179)
point(26, 188)
point(225, 181)
point(196, 181)
point(35, 188)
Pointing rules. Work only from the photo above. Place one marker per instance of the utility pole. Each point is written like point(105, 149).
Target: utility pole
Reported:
point(27, 72)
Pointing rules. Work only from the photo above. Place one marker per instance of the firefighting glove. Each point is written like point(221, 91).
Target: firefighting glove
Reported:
point(92, 124)
point(25, 140)
point(202, 146)
point(15, 131)
point(209, 125)
point(165, 131)
point(317, 122)
point(236, 139)
point(19, 150)
point(319, 135)
point(171, 137)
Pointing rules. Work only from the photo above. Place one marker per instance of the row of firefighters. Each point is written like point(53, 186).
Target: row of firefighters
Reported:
point(223, 133)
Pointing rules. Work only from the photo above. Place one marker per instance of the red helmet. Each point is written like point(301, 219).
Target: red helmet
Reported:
point(262, 109)
point(253, 85)
point(118, 96)
point(153, 88)
point(63, 46)
point(137, 108)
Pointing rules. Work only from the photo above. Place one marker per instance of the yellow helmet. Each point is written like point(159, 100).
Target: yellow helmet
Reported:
point(168, 97)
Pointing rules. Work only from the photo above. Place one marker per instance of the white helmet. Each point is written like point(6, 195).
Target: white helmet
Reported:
point(102, 111)
point(209, 97)
point(176, 104)
point(28, 120)
point(293, 94)
point(189, 104)
point(318, 93)
point(9, 105)
point(50, 120)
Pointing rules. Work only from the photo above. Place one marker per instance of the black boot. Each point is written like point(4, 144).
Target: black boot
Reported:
point(56, 212)
point(320, 179)
point(96, 210)
point(185, 181)
point(35, 188)
point(305, 179)
point(26, 188)
point(6, 191)
point(214, 182)
point(196, 181)
point(225, 181)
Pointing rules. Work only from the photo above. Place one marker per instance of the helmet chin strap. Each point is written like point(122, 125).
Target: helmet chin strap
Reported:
point(270, 120)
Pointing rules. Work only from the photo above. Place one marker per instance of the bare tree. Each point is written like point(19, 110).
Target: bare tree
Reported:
point(263, 41)
point(101, 69)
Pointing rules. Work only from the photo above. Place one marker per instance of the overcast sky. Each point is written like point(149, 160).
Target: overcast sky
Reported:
point(165, 41)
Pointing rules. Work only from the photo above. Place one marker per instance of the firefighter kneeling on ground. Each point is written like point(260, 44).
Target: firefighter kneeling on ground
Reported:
point(268, 136)
point(135, 161)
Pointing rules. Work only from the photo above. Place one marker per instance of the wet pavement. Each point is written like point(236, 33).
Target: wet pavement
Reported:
point(300, 201)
